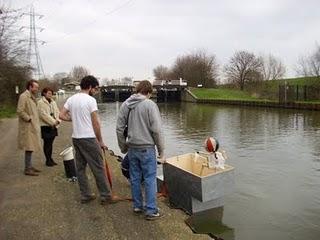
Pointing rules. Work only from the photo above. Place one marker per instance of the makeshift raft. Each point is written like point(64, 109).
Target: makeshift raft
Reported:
point(192, 185)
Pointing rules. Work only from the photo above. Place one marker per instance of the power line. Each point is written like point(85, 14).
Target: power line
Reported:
point(119, 7)
point(95, 20)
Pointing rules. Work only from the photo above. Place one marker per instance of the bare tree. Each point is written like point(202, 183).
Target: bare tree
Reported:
point(302, 68)
point(315, 62)
point(126, 80)
point(243, 67)
point(161, 73)
point(309, 66)
point(78, 72)
point(13, 70)
point(54, 85)
point(103, 81)
point(272, 68)
point(197, 68)
point(12, 41)
point(58, 76)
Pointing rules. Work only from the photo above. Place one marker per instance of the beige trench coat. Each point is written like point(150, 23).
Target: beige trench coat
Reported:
point(48, 112)
point(29, 127)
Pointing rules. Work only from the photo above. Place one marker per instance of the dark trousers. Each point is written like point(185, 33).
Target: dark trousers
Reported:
point(47, 148)
point(88, 152)
point(48, 135)
point(27, 160)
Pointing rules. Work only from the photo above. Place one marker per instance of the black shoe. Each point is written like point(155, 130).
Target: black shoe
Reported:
point(54, 163)
point(88, 199)
point(49, 164)
point(153, 216)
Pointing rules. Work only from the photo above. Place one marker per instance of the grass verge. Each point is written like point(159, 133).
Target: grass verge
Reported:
point(7, 111)
point(223, 94)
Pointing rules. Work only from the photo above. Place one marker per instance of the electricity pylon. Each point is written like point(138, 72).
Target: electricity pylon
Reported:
point(33, 54)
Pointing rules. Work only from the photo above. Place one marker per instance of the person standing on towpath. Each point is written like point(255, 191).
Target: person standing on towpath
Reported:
point(87, 140)
point(49, 121)
point(29, 127)
point(139, 119)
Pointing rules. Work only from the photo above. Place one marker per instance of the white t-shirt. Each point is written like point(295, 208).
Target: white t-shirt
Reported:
point(80, 106)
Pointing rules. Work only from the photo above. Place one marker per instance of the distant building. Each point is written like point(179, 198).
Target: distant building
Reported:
point(127, 81)
point(179, 82)
point(136, 82)
point(72, 86)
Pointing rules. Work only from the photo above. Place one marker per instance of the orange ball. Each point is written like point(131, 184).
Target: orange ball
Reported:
point(211, 144)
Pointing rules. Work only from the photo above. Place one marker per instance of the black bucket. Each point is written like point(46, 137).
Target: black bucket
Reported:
point(69, 164)
point(70, 168)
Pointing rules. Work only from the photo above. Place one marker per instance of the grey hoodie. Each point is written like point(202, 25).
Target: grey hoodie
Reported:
point(144, 125)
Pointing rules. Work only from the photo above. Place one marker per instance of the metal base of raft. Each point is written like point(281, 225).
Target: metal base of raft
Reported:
point(193, 188)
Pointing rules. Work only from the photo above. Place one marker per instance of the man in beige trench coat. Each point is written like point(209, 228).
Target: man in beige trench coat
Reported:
point(29, 127)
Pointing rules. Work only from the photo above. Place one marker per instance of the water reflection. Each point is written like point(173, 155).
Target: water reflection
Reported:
point(275, 153)
point(210, 222)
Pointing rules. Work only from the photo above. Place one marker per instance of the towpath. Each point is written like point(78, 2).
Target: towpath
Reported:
point(48, 207)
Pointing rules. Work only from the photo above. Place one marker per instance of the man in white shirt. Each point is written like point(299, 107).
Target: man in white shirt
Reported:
point(82, 110)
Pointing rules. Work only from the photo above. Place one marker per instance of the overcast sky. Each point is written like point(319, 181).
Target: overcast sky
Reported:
point(118, 38)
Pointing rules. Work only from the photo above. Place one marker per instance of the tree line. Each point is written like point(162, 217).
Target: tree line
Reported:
point(202, 69)
point(14, 70)
point(198, 68)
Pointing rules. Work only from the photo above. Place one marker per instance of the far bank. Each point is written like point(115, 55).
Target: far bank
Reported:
point(236, 97)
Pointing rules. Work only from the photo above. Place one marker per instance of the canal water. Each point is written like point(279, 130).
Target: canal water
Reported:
point(275, 153)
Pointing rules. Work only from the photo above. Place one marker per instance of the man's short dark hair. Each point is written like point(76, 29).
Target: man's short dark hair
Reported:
point(30, 83)
point(45, 90)
point(89, 81)
point(144, 87)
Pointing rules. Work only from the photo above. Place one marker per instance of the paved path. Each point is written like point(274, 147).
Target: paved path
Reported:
point(48, 207)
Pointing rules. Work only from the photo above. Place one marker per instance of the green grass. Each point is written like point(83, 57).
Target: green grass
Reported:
point(296, 81)
point(232, 94)
point(223, 94)
point(7, 111)
point(309, 102)
point(256, 91)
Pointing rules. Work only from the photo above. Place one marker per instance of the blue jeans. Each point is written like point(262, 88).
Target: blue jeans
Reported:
point(143, 164)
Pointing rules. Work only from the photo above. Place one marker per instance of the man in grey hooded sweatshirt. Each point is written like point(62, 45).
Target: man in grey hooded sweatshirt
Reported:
point(142, 119)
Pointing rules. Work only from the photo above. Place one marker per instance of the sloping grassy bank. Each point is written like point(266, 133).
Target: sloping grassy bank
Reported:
point(237, 97)
point(265, 91)
point(224, 94)
point(301, 81)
